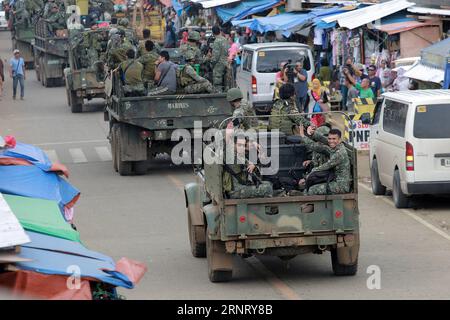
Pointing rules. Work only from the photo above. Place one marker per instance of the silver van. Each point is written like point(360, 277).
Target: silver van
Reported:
point(260, 63)
point(410, 144)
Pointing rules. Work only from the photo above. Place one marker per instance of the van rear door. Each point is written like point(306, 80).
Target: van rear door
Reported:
point(431, 142)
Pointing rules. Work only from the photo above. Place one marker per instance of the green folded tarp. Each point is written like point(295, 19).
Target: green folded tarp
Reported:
point(41, 216)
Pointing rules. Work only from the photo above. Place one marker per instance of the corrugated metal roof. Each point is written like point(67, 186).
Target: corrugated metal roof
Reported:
point(419, 95)
point(425, 73)
point(398, 27)
point(423, 10)
point(359, 17)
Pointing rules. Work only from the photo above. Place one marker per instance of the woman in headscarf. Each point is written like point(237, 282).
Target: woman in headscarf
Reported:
point(318, 101)
point(400, 83)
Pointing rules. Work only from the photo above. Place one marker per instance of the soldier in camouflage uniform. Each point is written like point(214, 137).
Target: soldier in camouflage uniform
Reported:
point(56, 20)
point(240, 110)
point(192, 45)
point(148, 59)
point(190, 81)
point(338, 161)
point(219, 58)
point(241, 179)
point(47, 8)
point(131, 75)
point(286, 106)
point(118, 49)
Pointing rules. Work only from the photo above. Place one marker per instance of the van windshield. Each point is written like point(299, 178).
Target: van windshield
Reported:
point(432, 121)
point(269, 61)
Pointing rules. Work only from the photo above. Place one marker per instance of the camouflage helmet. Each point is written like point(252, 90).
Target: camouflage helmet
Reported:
point(112, 31)
point(323, 130)
point(234, 94)
point(189, 55)
point(194, 36)
point(124, 22)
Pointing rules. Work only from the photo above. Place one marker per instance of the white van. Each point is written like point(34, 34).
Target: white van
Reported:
point(260, 63)
point(410, 144)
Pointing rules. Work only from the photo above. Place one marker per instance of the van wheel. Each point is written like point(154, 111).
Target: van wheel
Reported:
point(196, 238)
point(220, 263)
point(377, 188)
point(342, 269)
point(400, 199)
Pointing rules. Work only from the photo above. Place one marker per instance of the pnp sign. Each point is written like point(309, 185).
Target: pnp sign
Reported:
point(358, 133)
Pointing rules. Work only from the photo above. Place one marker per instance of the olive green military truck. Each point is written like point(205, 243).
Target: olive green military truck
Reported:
point(85, 75)
point(141, 127)
point(22, 36)
point(220, 227)
point(50, 55)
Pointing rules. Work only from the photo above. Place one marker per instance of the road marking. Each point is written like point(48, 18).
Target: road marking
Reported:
point(282, 288)
point(70, 142)
point(52, 155)
point(103, 153)
point(77, 155)
point(410, 214)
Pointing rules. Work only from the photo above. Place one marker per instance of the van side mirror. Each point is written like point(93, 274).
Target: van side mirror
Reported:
point(365, 118)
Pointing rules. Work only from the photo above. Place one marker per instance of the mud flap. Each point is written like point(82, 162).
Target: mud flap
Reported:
point(219, 259)
point(133, 148)
point(192, 194)
point(348, 254)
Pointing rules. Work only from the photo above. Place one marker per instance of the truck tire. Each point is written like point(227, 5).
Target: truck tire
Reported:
point(140, 167)
point(220, 263)
point(400, 199)
point(377, 188)
point(198, 248)
point(342, 269)
point(125, 168)
point(38, 74)
point(76, 105)
point(69, 98)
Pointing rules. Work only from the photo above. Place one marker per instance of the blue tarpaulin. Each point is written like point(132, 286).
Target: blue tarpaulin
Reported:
point(177, 6)
point(29, 152)
point(31, 181)
point(63, 258)
point(290, 22)
point(244, 9)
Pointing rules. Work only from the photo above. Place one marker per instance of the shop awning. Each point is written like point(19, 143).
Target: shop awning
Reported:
point(244, 9)
point(213, 3)
point(393, 28)
point(290, 22)
point(425, 73)
point(360, 17)
point(431, 11)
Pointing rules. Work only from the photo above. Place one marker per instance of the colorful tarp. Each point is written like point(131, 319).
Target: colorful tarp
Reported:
point(42, 216)
point(31, 181)
point(244, 9)
point(30, 153)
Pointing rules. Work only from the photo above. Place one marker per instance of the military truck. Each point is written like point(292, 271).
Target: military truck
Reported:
point(142, 126)
point(50, 55)
point(85, 75)
point(22, 36)
point(220, 227)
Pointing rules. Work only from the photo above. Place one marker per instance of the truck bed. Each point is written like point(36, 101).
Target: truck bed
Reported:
point(171, 111)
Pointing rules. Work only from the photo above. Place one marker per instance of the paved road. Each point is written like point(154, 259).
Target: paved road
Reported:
point(144, 218)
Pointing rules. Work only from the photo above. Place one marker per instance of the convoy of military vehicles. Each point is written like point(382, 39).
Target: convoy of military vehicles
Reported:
point(141, 127)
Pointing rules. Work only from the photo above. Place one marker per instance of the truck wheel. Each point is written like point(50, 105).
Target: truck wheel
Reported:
point(38, 75)
point(377, 188)
point(140, 167)
point(342, 269)
point(125, 168)
point(196, 239)
point(76, 103)
point(400, 199)
point(220, 263)
point(68, 95)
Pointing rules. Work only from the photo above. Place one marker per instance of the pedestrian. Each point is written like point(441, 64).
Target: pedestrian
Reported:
point(365, 91)
point(318, 101)
point(2, 77)
point(353, 71)
point(401, 83)
point(375, 82)
point(300, 85)
point(384, 73)
point(324, 71)
point(17, 73)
